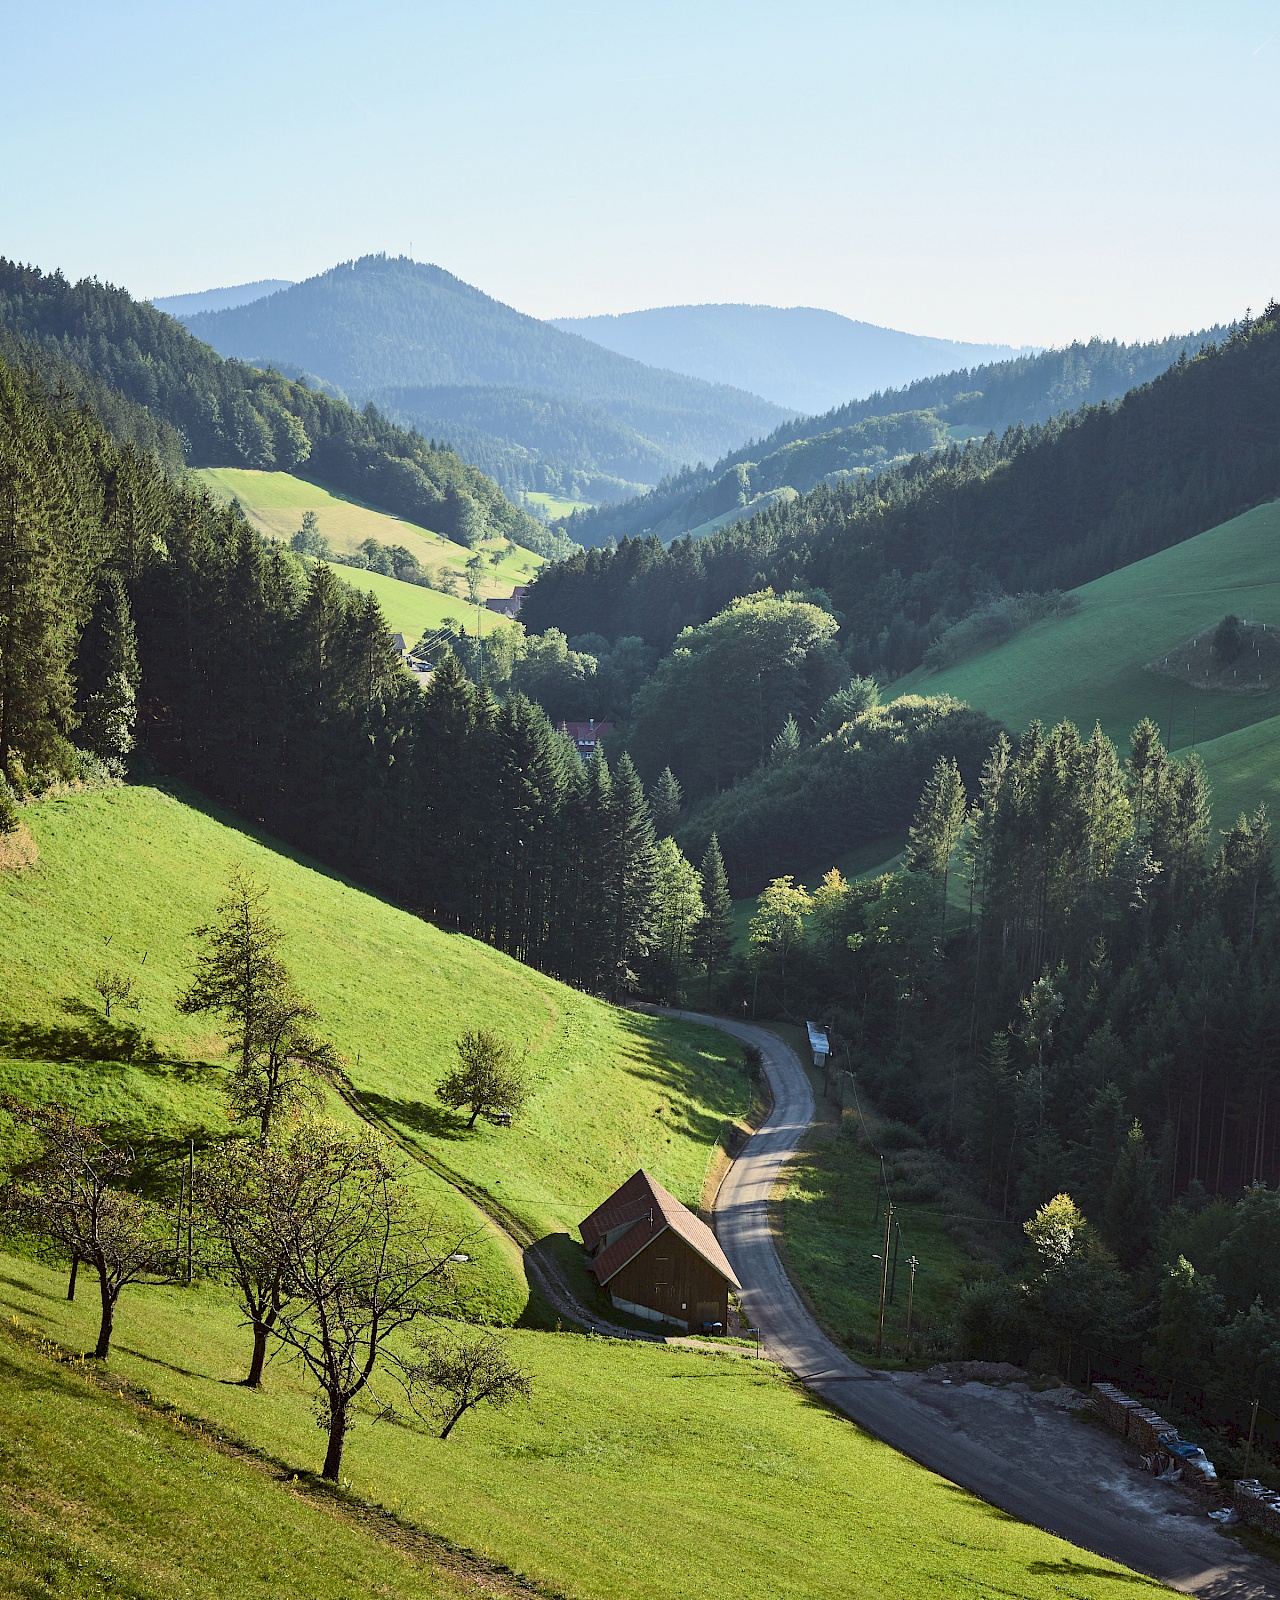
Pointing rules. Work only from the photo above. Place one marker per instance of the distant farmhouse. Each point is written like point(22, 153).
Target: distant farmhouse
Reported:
point(510, 606)
point(656, 1258)
point(423, 669)
point(585, 735)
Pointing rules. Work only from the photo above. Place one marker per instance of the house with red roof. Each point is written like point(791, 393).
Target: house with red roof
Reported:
point(585, 735)
point(656, 1259)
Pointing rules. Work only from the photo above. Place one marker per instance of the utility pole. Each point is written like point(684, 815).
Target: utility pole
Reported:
point(191, 1195)
point(893, 1278)
point(884, 1278)
point(911, 1296)
point(1253, 1423)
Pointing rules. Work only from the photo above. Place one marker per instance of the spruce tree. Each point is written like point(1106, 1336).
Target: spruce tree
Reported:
point(37, 604)
point(665, 800)
point(713, 942)
point(108, 674)
point(632, 891)
point(939, 822)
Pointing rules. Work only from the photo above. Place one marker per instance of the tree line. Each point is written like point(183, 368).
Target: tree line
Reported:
point(993, 397)
point(907, 553)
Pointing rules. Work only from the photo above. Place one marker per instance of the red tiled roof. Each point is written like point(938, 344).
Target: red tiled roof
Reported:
point(646, 1210)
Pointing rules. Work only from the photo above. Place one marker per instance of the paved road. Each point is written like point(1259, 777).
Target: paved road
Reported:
point(1112, 1513)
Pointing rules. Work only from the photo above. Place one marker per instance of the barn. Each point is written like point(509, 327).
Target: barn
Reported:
point(657, 1259)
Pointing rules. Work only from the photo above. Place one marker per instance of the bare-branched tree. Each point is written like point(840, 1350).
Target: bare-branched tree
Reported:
point(72, 1196)
point(246, 1191)
point(360, 1263)
point(114, 988)
point(452, 1377)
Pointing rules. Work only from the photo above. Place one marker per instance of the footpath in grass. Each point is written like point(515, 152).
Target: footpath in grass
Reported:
point(636, 1472)
point(125, 874)
point(1091, 666)
point(102, 1497)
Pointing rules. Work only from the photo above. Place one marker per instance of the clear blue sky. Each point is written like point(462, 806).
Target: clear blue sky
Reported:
point(983, 171)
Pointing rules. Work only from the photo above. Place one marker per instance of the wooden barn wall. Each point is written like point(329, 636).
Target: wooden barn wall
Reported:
point(667, 1275)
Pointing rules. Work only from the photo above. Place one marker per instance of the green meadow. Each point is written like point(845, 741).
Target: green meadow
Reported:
point(554, 505)
point(1091, 666)
point(411, 609)
point(635, 1472)
point(125, 874)
point(100, 1496)
point(274, 503)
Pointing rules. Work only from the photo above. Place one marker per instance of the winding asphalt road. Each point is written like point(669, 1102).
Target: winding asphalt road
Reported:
point(1149, 1531)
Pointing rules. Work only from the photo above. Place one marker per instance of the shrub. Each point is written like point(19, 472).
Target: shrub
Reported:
point(990, 1322)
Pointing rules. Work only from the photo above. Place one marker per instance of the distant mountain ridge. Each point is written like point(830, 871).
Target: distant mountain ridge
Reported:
point(807, 451)
point(797, 356)
point(387, 323)
point(239, 294)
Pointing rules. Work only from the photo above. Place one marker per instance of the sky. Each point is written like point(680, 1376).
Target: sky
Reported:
point(995, 172)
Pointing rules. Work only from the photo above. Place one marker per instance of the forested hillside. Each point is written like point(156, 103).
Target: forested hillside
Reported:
point(903, 555)
point(526, 441)
point(797, 356)
point(970, 401)
point(1069, 994)
point(384, 323)
point(238, 294)
point(227, 414)
point(134, 609)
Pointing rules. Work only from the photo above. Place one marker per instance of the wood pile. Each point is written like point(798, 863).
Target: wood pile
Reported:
point(1161, 1448)
point(1258, 1506)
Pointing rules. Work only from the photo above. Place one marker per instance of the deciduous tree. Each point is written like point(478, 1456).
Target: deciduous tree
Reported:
point(453, 1376)
point(361, 1263)
point(490, 1079)
point(72, 1194)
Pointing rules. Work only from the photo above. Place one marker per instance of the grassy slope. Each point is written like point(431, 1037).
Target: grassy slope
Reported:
point(1090, 666)
point(101, 1496)
point(409, 608)
point(275, 501)
point(615, 1089)
point(635, 1471)
point(554, 505)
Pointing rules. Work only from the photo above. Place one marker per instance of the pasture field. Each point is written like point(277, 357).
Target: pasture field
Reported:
point(103, 1496)
point(274, 503)
point(1091, 666)
point(409, 608)
point(125, 874)
point(555, 505)
point(635, 1472)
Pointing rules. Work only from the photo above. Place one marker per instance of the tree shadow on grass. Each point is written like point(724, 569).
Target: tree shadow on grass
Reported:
point(91, 1038)
point(169, 1366)
point(1080, 1569)
point(27, 1287)
point(416, 1115)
